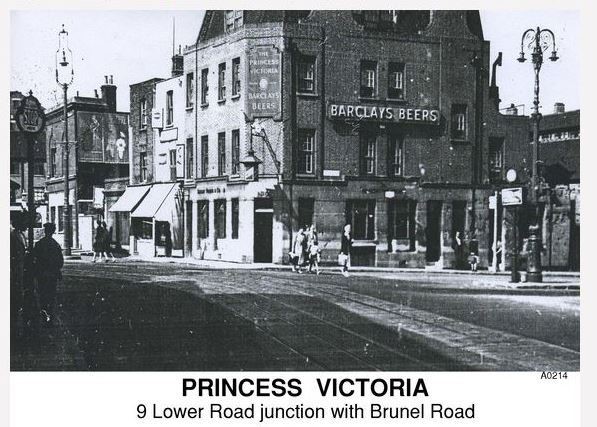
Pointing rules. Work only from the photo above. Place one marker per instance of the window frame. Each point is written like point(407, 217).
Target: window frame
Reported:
point(143, 118)
point(459, 122)
point(190, 90)
point(368, 206)
point(222, 82)
point(305, 61)
point(368, 148)
point(219, 218)
point(170, 108)
point(221, 153)
point(396, 154)
point(368, 75)
point(190, 158)
point(204, 155)
point(143, 166)
point(236, 82)
point(396, 69)
point(205, 86)
point(306, 160)
point(235, 152)
point(235, 211)
point(202, 220)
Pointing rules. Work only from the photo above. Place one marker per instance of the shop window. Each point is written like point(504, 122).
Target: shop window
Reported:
point(221, 154)
point(236, 77)
point(361, 215)
point(396, 80)
point(368, 153)
point(459, 121)
point(305, 211)
point(222, 81)
point(396, 155)
point(220, 218)
point(402, 221)
point(204, 155)
point(496, 159)
point(204, 86)
point(306, 151)
point(306, 74)
point(235, 167)
point(169, 107)
point(190, 89)
point(235, 218)
point(202, 219)
point(142, 228)
point(368, 79)
point(190, 151)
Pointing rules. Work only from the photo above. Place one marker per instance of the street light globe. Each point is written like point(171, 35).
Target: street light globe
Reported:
point(511, 175)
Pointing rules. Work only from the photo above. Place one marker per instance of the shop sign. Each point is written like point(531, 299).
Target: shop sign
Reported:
point(417, 115)
point(264, 98)
point(30, 116)
point(512, 196)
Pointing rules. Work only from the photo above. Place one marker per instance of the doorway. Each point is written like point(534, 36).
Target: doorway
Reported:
point(262, 238)
point(433, 230)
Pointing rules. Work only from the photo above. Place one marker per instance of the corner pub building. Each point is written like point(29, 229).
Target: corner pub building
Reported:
point(382, 119)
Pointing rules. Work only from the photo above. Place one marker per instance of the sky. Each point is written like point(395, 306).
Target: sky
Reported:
point(137, 45)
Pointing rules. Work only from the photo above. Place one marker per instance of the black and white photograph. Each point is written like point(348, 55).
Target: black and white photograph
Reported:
point(294, 190)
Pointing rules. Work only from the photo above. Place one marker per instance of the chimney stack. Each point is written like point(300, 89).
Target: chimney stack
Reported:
point(177, 64)
point(109, 94)
point(559, 108)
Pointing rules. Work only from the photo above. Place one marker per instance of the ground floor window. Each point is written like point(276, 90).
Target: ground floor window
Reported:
point(60, 218)
point(220, 218)
point(305, 212)
point(361, 215)
point(401, 221)
point(142, 228)
point(458, 217)
point(202, 219)
point(235, 218)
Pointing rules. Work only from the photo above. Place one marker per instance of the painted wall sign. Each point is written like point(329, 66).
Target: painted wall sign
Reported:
point(385, 114)
point(103, 137)
point(264, 98)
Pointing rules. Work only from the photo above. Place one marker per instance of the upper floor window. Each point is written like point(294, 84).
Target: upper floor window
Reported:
point(234, 19)
point(459, 121)
point(53, 169)
point(190, 151)
point(396, 80)
point(396, 156)
point(222, 81)
point(169, 107)
point(204, 86)
point(236, 76)
point(222, 153)
point(172, 162)
point(143, 166)
point(235, 152)
point(496, 159)
point(368, 154)
point(190, 89)
point(143, 118)
point(368, 79)
point(306, 151)
point(306, 74)
point(204, 155)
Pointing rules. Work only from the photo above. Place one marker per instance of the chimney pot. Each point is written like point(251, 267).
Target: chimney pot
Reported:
point(559, 108)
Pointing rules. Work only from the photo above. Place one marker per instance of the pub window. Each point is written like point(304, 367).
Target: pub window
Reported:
point(222, 81)
point(459, 121)
point(204, 155)
point(143, 166)
point(235, 218)
point(233, 20)
point(306, 151)
point(361, 216)
point(368, 79)
point(396, 155)
point(496, 159)
point(220, 218)
point(202, 219)
point(169, 107)
point(190, 89)
point(204, 86)
point(368, 153)
point(236, 77)
point(172, 156)
point(143, 118)
point(306, 74)
point(396, 80)
point(190, 158)
point(235, 167)
point(402, 221)
point(222, 153)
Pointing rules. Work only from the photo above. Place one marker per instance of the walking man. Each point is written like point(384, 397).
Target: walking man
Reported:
point(48, 261)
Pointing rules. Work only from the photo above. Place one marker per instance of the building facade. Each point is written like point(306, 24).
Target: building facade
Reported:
point(98, 150)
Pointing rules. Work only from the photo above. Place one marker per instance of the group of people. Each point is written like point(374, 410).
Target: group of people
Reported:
point(306, 251)
point(34, 274)
point(102, 243)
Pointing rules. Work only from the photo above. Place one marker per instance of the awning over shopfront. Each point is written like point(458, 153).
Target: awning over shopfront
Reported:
point(130, 199)
point(158, 203)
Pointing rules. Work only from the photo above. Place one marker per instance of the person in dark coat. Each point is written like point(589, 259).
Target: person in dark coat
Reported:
point(459, 251)
point(346, 249)
point(48, 262)
point(18, 248)
point(107, 243)
point(99, 241)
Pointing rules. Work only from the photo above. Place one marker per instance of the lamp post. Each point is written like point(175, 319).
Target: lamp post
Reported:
point(252, 162)
point(64, 77)
point(536, 41)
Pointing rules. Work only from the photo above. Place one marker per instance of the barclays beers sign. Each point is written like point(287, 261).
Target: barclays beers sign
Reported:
point(264, 98)
point(402, 114)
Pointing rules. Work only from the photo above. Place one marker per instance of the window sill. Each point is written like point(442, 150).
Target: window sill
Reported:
point(459, 141)
point(235, 97)
point(396, 99)
point(369, 98)
point(304, 175)
point(307, 94)
point(221, 101)
point(205, 105)
point(143, 129)
point(190, 108)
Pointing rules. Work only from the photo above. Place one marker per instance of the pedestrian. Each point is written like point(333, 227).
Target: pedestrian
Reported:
point(298, 251)
point(98, 243)
point(18, 248)
point(107, 243)
point(498, 254)
point(345, 250)
point(48, 262)
point(473, 260)
point(458, 246)
point(313, 249)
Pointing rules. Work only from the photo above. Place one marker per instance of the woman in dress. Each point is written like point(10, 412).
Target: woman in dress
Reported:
point(346, 249)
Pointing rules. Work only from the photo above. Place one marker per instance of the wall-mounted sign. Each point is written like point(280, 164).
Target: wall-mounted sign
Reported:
point(512, 196)
point(103, 137)
point(264, 98)
point(157, 119)
point(385, 114)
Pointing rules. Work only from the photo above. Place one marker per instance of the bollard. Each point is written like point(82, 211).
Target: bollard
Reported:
point(534, 271)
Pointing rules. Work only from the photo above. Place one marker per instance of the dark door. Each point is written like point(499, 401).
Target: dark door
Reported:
point(262, 240)
point(433, 231)
point(189, 227)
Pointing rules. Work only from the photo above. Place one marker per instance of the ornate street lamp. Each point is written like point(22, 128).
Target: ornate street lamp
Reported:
point(536, 42)
point(64, 77)
point(252, 162)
